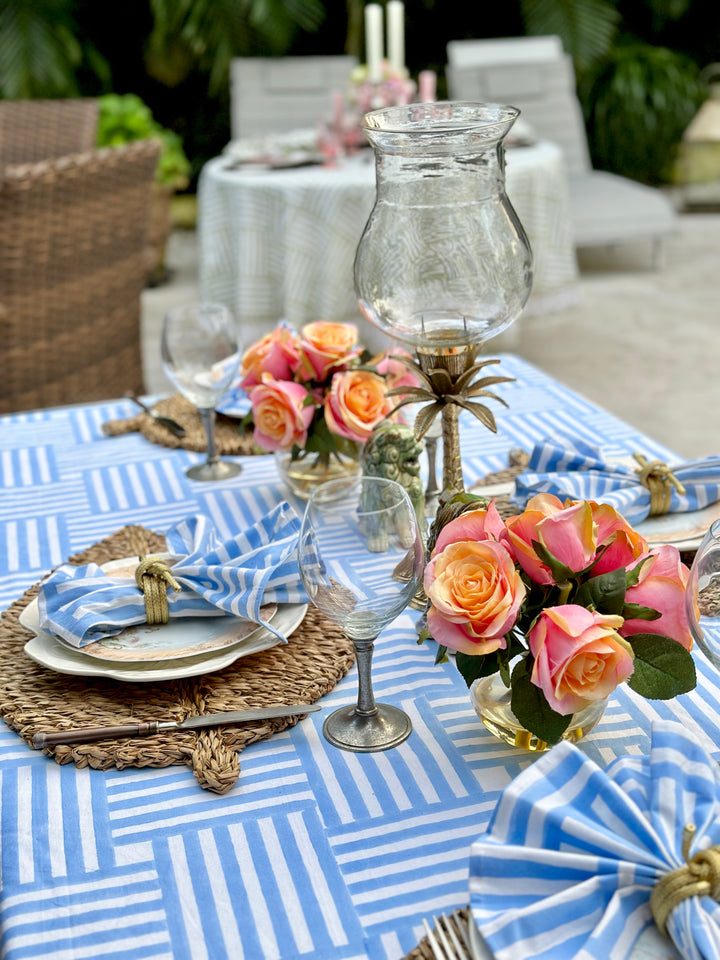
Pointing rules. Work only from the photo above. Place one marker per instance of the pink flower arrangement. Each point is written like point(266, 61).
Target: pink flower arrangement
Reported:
point(317, 391)
point(565, 600)
point(395, 88)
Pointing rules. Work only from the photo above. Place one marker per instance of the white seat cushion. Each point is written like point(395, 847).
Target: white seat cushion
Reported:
point(607, 208)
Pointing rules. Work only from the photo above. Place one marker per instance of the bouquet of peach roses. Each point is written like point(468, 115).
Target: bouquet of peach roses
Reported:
point(565, 600)
point(317, 391)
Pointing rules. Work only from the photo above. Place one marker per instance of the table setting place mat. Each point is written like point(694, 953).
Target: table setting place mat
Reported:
point(35, 699)
point(230, 440)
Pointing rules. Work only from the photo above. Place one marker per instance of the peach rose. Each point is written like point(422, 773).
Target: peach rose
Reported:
point(474, 525)
point(661, 585)
point(326, 347)
point(475, 594)
point(281, 414)
point(567, 531)
point(277, 353)
point(624, 544)
point(579, 656)
point(355, 404)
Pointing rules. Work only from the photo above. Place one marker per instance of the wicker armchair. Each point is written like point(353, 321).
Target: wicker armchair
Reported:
point(36, 130)
point(73, 264)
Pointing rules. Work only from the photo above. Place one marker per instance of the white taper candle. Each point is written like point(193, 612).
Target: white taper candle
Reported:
point(374, 41)
point(396, 34)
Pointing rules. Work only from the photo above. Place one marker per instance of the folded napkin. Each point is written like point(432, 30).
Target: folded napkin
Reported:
point(568, 467)
point(236, 576)
point(573, 853)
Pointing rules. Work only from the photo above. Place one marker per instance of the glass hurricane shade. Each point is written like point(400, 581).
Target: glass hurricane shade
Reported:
point(443, 260)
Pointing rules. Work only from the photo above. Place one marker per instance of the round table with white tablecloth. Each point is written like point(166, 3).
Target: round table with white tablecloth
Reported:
point(279, 243)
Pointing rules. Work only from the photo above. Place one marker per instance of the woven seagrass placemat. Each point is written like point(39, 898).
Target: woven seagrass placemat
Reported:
point(230, 440)
point(33, 698)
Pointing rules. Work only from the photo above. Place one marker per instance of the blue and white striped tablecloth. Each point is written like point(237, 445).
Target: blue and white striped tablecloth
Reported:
point(315, 853)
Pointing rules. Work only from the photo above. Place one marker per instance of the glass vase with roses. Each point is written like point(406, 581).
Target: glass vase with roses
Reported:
point(316, 396)
point(555, 606)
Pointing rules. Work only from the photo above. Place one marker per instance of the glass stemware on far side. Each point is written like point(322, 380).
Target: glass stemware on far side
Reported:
point(702, 595)
point(201, 357)
point(360, 555)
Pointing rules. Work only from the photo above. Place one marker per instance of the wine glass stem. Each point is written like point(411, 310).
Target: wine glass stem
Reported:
point(208, 419)
point(366, 700)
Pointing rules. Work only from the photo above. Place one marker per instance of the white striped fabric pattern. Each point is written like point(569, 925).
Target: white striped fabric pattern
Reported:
point(567, 466)
point(233, 577)
point(572, 852)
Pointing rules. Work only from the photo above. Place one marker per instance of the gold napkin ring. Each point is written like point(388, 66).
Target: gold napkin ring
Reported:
point(699, 877)
point(153, 576)
point(658, 478)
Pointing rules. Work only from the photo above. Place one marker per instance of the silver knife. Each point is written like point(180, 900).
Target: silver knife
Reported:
point(88, 735)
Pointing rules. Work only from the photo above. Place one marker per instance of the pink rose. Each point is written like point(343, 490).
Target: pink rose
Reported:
point(280, 413)
point(355, 404)
point(566, 530)
point(327, 347)
point(396, 374)
point(579, 656)
point(474, 525)
point(661, 585)
point(624, 544)
point(475, 594)
point(277, 353)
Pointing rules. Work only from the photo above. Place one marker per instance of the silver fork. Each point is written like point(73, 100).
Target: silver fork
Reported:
point(450, 939)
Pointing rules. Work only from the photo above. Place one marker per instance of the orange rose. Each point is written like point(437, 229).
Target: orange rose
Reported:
point(355, 404)
point(326, 347)
point(281, 414)
point(277, 353)
point(475, 594)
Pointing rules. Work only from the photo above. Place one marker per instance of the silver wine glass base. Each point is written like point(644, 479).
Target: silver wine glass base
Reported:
point(219, 470)
point(385, 727)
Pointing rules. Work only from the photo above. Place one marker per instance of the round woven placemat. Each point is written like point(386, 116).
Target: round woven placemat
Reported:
point(33, 698)
point(229, 439)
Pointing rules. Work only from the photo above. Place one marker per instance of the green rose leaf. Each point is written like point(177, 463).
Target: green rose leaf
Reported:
point(632, 577)
point(473, 667)
point(605, 593)
point(634, 611)
point(663, 668)
point(529, 705)
point(559, 571)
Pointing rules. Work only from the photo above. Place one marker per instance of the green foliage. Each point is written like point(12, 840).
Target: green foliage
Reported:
point(207, 34)
point(663, 668)
point(587, 28)
point(124, 118)
point(529, 705)
point(40, 52)
point(638, 104)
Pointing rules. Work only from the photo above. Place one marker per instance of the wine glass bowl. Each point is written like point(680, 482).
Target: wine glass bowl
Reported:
point(360, 557)
point(201, 357)
point(702, 595)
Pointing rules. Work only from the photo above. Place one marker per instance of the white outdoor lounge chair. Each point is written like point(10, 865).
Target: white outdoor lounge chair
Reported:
point(537, 76)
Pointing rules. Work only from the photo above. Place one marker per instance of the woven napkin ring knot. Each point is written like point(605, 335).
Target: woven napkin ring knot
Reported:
point(658, 478)
point(699, 877)
point(153, 576)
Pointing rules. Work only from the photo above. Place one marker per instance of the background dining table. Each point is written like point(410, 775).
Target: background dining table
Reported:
point(280, 243)
point(314, 852)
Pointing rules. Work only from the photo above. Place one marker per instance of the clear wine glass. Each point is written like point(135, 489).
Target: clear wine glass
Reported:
point(360, 556)
point(201, 357)
point(702, 596)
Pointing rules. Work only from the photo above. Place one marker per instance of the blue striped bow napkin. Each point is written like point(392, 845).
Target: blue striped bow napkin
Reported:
point(236, 576)
point(573, 852)
point(570, 468)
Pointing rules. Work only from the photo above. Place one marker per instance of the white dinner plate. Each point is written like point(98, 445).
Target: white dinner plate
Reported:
point(52, 653)
point(180, 638)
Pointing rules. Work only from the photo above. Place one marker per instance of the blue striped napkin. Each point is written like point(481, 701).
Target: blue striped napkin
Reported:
point(82, 604)
point(570, 468)
point(572, 852)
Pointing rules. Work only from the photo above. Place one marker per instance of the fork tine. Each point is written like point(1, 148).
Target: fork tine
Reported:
point(461, 926)
point(453, 924)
